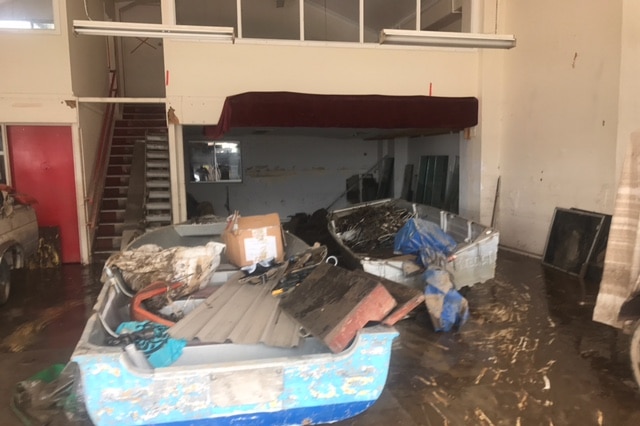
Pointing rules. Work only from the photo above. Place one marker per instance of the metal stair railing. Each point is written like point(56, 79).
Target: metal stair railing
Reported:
point(97, 182)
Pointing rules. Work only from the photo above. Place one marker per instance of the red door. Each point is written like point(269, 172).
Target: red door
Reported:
point(41, 160)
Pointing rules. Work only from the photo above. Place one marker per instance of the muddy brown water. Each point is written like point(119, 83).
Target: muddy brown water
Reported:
point(529, 355)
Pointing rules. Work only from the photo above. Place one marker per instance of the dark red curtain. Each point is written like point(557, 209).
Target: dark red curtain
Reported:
point(423, 114)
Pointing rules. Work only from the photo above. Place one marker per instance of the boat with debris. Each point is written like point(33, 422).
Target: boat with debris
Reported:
point(224, 383)
point(365, 233)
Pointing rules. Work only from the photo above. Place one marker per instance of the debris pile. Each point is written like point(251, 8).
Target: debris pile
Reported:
point(419, 246)
point(150, 263)
point(279, 298)
point(371, 228)
point(276, 304)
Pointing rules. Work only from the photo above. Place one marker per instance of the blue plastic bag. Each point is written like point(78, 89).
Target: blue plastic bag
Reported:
point(425, 239)
point(447, 307)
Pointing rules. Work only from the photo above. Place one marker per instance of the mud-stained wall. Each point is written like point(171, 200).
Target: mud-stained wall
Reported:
point(293, 174)
point(289, 174)
point(558, 137)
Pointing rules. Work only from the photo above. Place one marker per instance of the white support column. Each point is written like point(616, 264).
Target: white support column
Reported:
point(181, 207)
point(177, 181)
point(239, 17)
point(472, 11)
point(168, 10)
point(361, 21)
point(81, 206)
point(301, 19)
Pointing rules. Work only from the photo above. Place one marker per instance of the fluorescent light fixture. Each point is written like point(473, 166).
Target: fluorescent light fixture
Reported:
point(136, 29)
point(446, 39)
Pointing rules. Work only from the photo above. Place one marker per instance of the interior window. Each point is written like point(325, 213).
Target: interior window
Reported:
point(324, 20)
point(332, 20)
point(435, 17)
point(27, 14)
point(213, 13)
point(214, 161)
point(278, 20)
point(378, 15)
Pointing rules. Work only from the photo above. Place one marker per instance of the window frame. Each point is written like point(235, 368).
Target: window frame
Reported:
point(39, 31)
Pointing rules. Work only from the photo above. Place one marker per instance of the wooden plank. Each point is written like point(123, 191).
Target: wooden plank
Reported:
point(333, 303)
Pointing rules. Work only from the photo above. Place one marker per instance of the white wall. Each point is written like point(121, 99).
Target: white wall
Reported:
point(559, 133)
point(203, 74)
point(290, 174)
point(41, 78)
point(35, 78)
point(90, 65)
point(629, 102)
point(480, 155)
point(448, 144)
point(556, 111)
point(88, 55)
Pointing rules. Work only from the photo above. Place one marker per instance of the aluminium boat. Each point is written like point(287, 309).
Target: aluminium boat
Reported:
point(472, 261)
point(224, 383)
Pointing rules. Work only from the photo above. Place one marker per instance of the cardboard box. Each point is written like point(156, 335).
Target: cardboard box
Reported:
point(252, 239)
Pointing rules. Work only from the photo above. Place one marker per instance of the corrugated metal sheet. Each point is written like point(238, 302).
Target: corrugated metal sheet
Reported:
point(240, 313)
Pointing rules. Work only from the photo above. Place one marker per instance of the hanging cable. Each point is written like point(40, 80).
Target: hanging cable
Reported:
point(86, 10)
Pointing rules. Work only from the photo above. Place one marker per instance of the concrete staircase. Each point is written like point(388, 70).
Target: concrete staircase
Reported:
point(139, 122)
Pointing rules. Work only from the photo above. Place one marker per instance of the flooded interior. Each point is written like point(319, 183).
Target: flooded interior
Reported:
point(529, 355)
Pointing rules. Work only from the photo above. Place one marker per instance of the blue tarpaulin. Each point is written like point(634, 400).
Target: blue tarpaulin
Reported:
point(447, 307)
point(425, 239)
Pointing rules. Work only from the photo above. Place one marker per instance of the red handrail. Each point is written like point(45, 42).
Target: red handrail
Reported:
point(96, 186)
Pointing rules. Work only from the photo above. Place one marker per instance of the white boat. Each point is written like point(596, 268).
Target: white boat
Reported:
point(473, 260)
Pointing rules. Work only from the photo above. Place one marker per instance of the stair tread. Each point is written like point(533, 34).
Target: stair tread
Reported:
point(157, 138)
point(157, 155)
